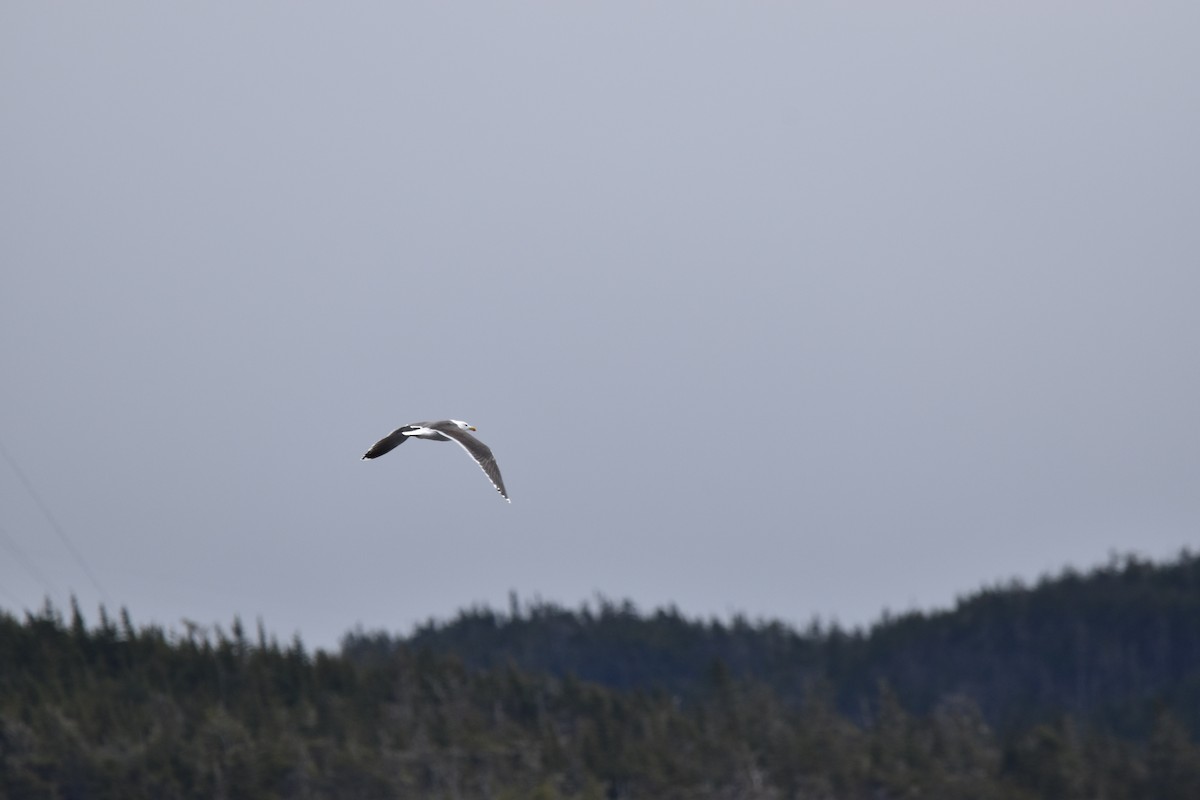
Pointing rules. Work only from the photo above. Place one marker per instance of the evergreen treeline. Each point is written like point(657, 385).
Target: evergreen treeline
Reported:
point(687, 710)
point(1111, 647)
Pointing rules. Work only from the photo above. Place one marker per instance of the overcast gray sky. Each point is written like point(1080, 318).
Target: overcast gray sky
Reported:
point(789, 309)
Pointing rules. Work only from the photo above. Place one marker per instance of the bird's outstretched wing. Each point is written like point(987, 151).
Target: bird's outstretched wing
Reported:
point(475, 448)
point(389, 442)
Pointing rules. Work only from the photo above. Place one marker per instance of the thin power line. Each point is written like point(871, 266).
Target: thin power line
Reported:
point(11, 545)
point(50, 518)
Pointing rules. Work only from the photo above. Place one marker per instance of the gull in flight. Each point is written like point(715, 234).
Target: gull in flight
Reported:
point(444, 430)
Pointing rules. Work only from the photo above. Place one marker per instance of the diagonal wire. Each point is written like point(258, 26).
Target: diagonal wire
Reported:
point(10, 544)
point(12, 547)
point(62, 535)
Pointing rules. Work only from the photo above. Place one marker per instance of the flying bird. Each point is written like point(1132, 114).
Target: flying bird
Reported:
point(444, 430)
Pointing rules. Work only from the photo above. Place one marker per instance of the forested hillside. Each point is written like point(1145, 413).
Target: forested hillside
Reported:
point(1109, 646)
point(1083, 686)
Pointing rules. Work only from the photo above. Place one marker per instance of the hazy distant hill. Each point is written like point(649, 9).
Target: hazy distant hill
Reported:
point(1111, 645)
point(1081, 687)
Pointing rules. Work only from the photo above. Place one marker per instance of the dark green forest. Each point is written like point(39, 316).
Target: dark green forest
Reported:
point(1083, 685)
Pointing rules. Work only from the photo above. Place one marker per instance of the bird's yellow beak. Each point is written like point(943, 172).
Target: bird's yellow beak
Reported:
point(472, 428)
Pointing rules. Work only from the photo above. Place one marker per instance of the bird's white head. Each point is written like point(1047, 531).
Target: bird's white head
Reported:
point(466, 426)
